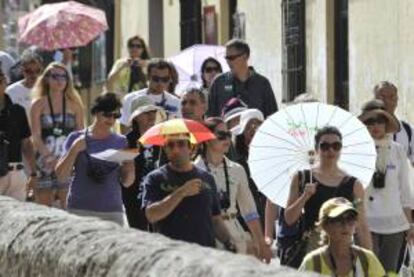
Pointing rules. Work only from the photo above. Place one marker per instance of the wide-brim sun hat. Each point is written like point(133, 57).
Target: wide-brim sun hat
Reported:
point(375, 108)
point(144, 104)
point(245, 117)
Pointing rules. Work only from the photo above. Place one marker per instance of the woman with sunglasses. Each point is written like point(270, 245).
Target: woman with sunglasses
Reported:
point(388, 197)
point(128, 74)
point(210, 68)
point(56, 111)
point(233, 191)
point(95, 187)
point(310, 189)
point(339, 256)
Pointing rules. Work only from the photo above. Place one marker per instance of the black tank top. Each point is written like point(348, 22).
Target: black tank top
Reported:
point(323, 193)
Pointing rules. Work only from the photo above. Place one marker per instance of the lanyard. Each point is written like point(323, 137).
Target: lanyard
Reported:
point(56, 130)
point(353, 261)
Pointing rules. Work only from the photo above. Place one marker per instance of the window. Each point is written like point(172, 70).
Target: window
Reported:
point(190, 22)
point(293, 48)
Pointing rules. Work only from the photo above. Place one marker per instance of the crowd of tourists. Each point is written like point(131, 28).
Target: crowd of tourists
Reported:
point(204, 193)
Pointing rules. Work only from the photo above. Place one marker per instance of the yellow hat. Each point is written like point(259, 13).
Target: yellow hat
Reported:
point(335, 207)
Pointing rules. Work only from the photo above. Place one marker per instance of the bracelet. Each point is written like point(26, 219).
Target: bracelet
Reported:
point(33, 174)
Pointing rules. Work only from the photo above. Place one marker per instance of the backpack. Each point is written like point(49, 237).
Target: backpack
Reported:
point(408, 130)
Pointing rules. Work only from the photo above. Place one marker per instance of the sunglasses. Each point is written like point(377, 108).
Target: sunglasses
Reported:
point(139, 46)
point(114, 115)
point(343, 219)
point(58, 77)
point(223, 135)
point(158, 79)
point(325, 146)
point(376, 120)
point(233, 57)
point(210, 69)
point(31, 71)
point(176, 143)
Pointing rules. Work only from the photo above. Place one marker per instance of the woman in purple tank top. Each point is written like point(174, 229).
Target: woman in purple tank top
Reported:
point(95, 187)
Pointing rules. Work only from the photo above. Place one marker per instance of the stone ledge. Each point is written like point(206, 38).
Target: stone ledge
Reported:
point(40, 241)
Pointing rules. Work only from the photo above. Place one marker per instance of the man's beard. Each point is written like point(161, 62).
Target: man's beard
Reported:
point(180, 161)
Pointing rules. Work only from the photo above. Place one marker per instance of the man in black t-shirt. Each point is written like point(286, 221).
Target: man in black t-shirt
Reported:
point(180, 199)
point(14, 141)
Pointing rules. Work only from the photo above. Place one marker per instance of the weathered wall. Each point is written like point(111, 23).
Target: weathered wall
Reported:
point(38, 241)
point(264, 35)
point(133, 21)
point(380, 44)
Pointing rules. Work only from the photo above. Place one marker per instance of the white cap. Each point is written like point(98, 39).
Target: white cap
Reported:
point(245, 117)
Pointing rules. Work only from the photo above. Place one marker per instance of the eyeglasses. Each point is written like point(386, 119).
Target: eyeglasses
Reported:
point(325, 146)
point(344, 219)
point(158, 79)
point(58, 77)
point(176, 143)
point(114, 115)
point(210, 69)
point(223, 135)
point(233, 57)
point(375, 120)
point(135, 45)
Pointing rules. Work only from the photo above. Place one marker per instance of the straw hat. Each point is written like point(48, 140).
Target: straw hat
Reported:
point(375, 108)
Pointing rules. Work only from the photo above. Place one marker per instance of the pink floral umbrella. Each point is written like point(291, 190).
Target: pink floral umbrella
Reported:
point(62, 25)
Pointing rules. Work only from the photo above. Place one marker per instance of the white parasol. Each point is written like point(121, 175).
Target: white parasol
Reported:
point(284, 144)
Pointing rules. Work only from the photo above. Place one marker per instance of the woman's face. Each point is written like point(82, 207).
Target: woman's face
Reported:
point(250, 130)
point(222, 142)
point(57, 79)
point(107, 119)
point(341, 228)
point(210, 72)
point(376, 126)
point(136, 48)
point(146, 120)
point(329, 148)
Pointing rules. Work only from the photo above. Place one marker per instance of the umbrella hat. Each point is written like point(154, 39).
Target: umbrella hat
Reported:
point(157, 134)
point(284, 145)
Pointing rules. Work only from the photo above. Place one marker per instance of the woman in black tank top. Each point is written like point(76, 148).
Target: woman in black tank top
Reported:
point(311, 188)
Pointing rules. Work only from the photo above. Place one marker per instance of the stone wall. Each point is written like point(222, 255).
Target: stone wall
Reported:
point(38, 241)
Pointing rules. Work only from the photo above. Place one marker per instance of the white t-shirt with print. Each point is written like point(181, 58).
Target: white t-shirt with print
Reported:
point(171, 105)
point(21, 95)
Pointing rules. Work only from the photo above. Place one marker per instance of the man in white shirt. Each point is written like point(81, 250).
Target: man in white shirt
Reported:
point(20, 92)
point(388, 93)
point(159, 76)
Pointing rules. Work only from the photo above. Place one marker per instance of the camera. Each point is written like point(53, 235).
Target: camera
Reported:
point(224, 200)
point(378, 180)
point(135, 63)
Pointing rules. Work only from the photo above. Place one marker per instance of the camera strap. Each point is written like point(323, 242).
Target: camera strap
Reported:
point(226, 174)
point(52, 113)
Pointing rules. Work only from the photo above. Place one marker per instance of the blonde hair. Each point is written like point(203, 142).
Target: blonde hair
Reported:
point(41, 87)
